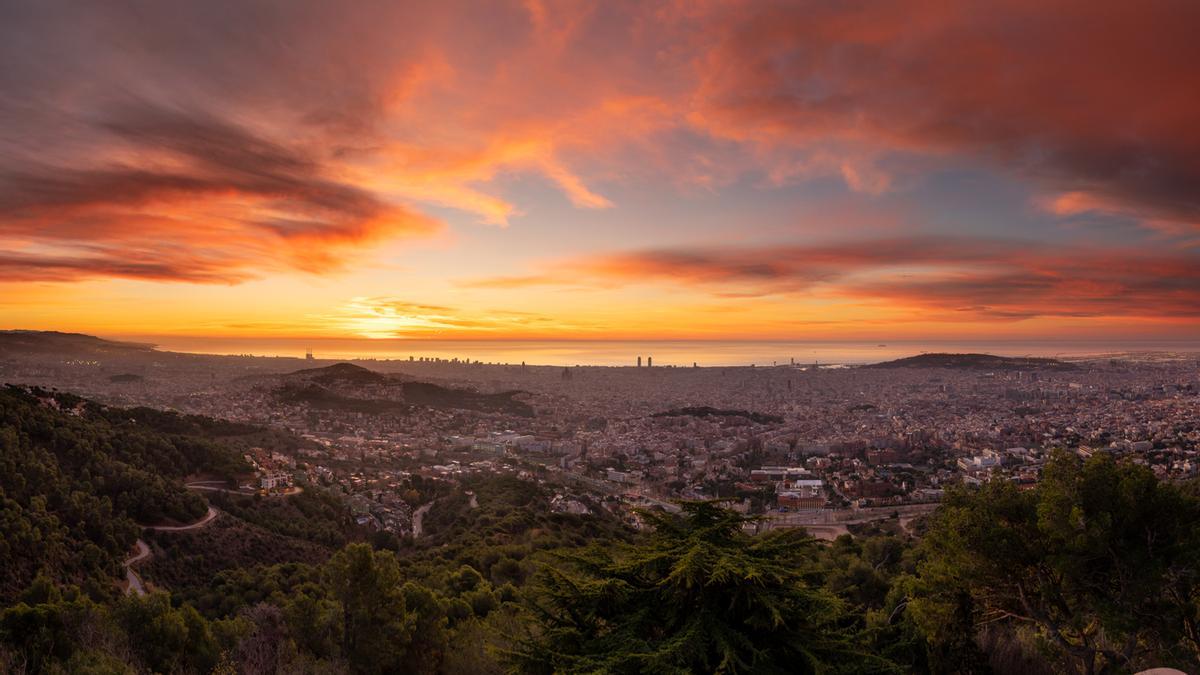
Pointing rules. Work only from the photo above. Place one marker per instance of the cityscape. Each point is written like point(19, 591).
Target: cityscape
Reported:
point(796, 444)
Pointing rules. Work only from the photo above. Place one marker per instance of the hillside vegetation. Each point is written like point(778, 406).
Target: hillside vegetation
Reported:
point(1095, 570)
point(976, 362)
point(76, 478)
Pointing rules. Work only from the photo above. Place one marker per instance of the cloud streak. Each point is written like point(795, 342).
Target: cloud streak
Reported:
point(958, 279)
point(387, 317)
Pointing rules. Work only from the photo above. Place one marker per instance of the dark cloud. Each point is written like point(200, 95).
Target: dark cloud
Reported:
point(124, 263)
point(1079, 96)
point(202, 158)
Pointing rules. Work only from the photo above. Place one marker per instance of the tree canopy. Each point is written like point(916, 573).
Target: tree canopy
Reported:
point(699, 594)
point(1099, 561)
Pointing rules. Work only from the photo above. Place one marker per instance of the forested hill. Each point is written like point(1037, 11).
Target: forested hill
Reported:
point(340, 386)
point(339, 373)
point(76, 477)
point(975, 362)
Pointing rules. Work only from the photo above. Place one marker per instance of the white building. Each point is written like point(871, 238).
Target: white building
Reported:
point(276, 479)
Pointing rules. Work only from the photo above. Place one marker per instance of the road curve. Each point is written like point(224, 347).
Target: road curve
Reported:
point(135, 586)
point(208, 485)
point(208, 518)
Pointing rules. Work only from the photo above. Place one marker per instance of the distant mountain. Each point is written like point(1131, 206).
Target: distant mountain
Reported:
point(975, 362)
point(54, 342)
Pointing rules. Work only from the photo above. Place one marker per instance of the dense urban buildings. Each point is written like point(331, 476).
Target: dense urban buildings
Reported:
point(804, 445)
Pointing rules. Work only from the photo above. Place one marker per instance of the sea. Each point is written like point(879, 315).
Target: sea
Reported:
point(681, 353)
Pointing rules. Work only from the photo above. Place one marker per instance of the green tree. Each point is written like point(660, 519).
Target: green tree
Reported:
point(376, 626)
point(429, 636)
point(316, 623)
point(166, 638)
point(699, 595)
point(1099, 561)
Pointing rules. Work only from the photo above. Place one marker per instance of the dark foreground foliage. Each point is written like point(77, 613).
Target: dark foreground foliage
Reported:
point(697, 595)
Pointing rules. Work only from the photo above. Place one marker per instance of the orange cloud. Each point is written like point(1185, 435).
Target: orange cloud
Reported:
point(158, 143)
point(218, 204)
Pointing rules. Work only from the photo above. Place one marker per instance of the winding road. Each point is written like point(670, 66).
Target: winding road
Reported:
point(213, 486)
point(135, 585)
point(208, 518)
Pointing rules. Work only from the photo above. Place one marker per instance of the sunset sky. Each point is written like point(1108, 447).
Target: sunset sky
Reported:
point(632, 170)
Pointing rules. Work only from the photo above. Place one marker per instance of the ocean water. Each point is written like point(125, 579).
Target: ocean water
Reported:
point(664, 353)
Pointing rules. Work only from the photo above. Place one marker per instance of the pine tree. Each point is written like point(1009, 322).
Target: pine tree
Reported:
point(698, 595)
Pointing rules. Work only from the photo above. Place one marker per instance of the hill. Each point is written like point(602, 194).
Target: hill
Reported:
point(126, 378)
point(975, 362)
point(76, 479)
point(709, 411)
point(334, 388)
point(317, 397)
point(339, 373)
point(54, 342)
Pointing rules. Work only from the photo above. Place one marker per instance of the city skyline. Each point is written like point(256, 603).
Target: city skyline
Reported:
point(601, 171)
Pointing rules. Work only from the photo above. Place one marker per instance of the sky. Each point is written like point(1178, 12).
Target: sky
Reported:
point(601, 170)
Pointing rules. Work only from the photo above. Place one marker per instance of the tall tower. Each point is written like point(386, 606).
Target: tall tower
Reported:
point(649, 361)
point(639, 362)
point(308, 355)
